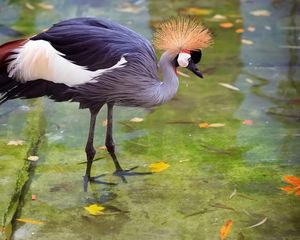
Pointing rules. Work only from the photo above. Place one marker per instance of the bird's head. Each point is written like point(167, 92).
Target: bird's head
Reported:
point(184, 38)
point(189, 59)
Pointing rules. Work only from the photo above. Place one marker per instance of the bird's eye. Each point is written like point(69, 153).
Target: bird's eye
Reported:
point(183, 59)
point(196, 56)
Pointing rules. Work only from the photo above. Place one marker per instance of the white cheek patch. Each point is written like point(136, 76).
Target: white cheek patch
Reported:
point(39, 60)
point(183, 59)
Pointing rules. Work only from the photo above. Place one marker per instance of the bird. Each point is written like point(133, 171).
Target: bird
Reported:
point(94, 61)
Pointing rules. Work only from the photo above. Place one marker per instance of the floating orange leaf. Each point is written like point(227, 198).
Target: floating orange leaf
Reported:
point(33, 197)
point(158, 166)
point(294, 188)
point(292, 180)
point(239, 30)
point(225, 229)
point(203, 125)
point(226, 25)
point(25, 220)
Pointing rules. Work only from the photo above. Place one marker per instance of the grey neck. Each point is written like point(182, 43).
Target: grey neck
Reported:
point(169, 85)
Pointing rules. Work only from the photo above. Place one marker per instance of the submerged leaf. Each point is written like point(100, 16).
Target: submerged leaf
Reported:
point(259, 223)
point(246, 41)
point(15, 142)
point(46, 6)
point(225, 229)
point(232, 194)
point(218, 17)
point(158, 166)
point(248, 122)
point(29, 6)
point(94, 209)
point(261, 13)
point(136, 119)
point(33, 158)
point(25, 220)
point(229, 86)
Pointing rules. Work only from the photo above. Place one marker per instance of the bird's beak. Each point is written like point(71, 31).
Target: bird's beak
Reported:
point(192, 67)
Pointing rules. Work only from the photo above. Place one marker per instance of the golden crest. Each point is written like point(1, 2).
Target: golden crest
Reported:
point(181, 33)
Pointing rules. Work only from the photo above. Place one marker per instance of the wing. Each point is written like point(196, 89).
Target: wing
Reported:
point(96, 44)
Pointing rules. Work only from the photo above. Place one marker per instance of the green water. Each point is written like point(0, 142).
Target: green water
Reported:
point(215, 174)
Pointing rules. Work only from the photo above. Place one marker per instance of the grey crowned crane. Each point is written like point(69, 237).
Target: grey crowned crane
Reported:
point(96, 62)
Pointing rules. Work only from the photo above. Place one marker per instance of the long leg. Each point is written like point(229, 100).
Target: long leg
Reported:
point(109, 142)
point(89, 148)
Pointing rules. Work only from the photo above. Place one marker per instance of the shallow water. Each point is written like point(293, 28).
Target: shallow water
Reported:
point(215, 174)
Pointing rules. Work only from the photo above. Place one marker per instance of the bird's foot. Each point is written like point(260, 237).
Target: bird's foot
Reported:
point(128, 172)
point(88, 179)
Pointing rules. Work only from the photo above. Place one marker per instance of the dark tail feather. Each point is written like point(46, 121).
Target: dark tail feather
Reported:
point(11, 89)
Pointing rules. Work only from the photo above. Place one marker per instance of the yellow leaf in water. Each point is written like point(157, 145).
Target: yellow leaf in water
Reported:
point(46, 6)
point(136, 119)
point(158, 167)
point(33, 158)
point(25, 220)
point(197, 11)
point(94, 209)
point(216, 125)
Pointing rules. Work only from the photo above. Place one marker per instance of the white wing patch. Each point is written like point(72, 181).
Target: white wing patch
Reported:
point(39, 60)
